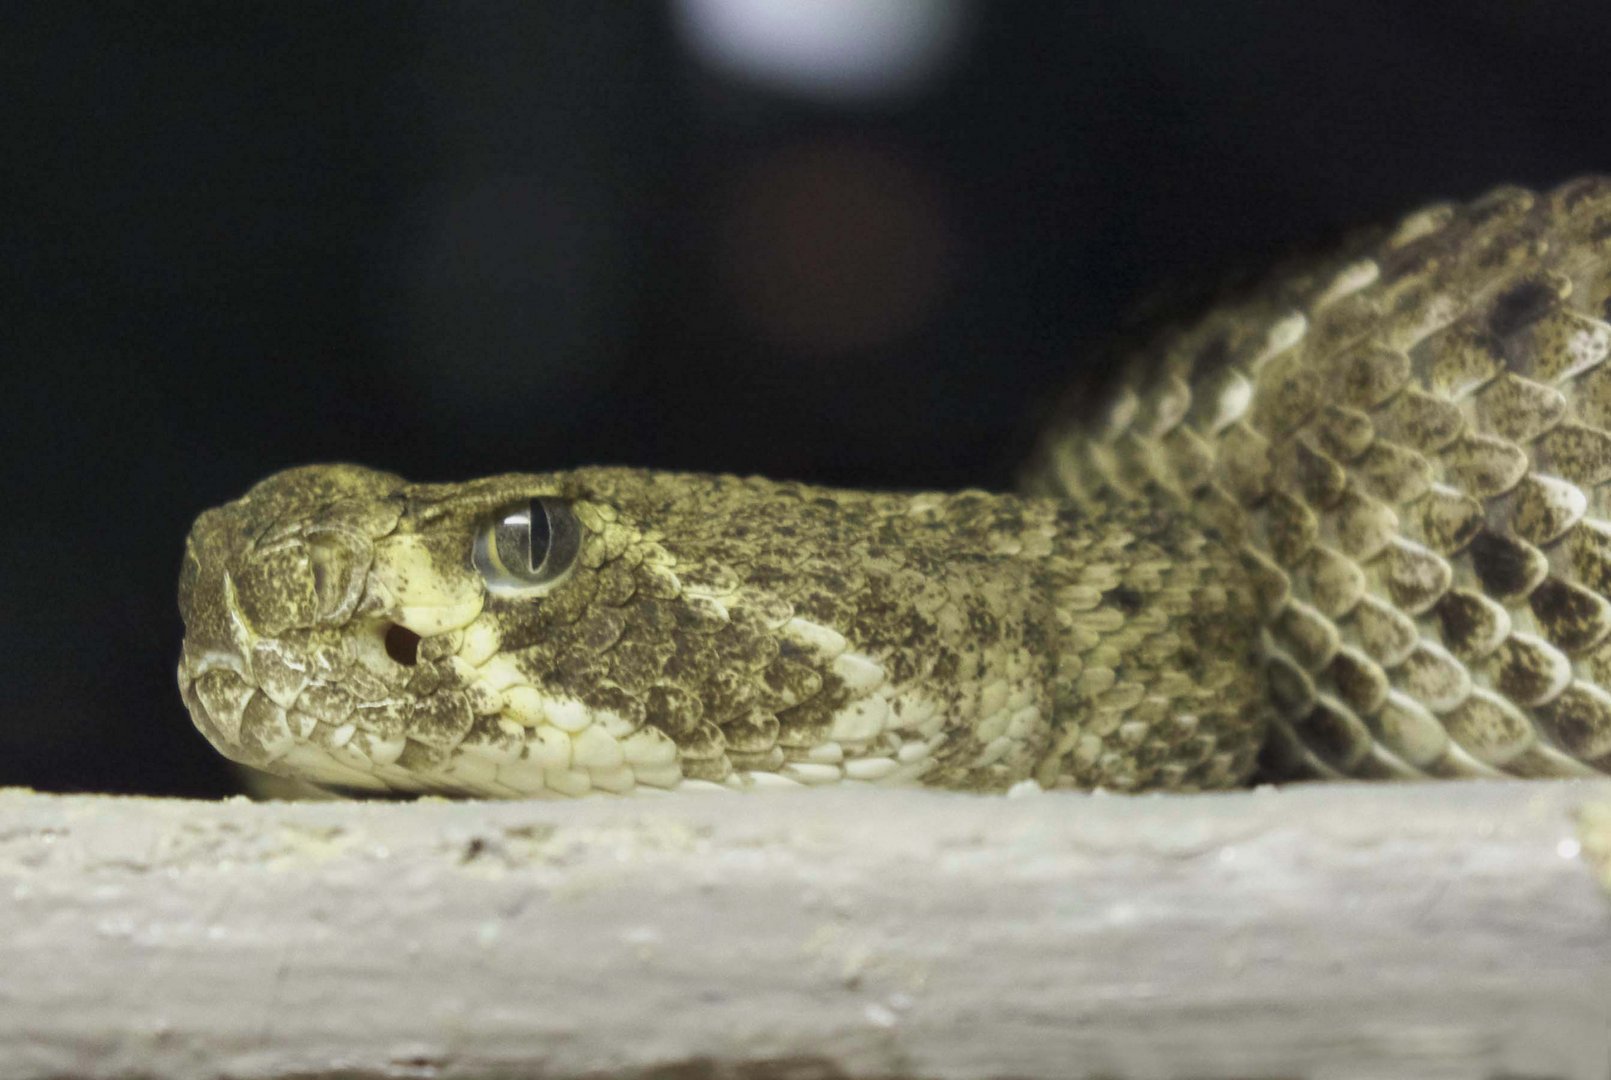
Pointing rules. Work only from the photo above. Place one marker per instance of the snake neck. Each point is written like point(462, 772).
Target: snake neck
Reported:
point(1156, 681)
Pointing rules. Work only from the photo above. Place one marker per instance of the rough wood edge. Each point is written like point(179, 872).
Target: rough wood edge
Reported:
point(1326, 931)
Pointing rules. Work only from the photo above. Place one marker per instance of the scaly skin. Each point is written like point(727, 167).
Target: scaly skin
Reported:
point(1411, 443)
point(715, 629)
point(1356, 523)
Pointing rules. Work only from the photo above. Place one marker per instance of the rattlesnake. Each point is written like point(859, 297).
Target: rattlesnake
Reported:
point(1355, 523)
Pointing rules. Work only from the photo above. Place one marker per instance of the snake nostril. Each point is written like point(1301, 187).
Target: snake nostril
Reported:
point(402, 645)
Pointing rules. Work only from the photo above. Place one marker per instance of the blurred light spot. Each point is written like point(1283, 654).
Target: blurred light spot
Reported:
point(833, 247)
point(830, 49)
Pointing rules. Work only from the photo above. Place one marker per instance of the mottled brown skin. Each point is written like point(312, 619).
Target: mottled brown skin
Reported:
point(1114, 627)
point(1357, 521)
point(1410, 442)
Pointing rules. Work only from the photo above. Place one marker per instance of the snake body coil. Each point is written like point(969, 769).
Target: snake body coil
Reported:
point(1358, 524)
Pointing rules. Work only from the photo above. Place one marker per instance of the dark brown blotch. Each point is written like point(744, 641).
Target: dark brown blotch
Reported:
point(1472, 625)
point(1362, 684)
point(1520, 306)
point(1334, 734)
point(1126, 598)
point(806, 725)
point(673, 710)
point(1580, 721)
point(1572, 617)
point(1529, 672)
point(1507, 567)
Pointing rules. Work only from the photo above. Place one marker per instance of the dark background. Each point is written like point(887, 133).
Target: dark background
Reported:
point(453, 239)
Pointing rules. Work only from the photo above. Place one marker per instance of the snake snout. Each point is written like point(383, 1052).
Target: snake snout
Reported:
point(275, 670)
point(270, 588)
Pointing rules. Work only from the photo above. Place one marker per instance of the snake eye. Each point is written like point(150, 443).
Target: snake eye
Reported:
point(528, 547)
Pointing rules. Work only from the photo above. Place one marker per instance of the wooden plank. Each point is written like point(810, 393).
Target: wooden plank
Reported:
point(1454, 930)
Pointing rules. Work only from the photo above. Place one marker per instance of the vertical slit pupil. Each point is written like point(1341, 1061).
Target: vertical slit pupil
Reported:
point(540, 535)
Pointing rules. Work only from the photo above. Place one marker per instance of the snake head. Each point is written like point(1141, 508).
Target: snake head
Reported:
point(614, 630)
point(346, 627)
point(280, 609)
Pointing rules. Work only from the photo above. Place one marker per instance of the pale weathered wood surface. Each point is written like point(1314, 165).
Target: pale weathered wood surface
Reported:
point(1425, 931)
